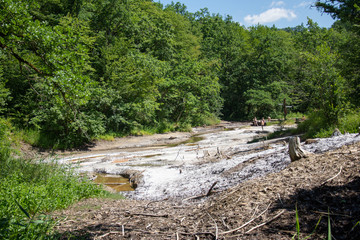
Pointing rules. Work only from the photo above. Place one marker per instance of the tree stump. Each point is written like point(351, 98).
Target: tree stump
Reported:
point(295, 150)
point(336, 133)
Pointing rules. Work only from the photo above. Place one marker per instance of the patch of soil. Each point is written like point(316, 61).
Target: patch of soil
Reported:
point(325, 185)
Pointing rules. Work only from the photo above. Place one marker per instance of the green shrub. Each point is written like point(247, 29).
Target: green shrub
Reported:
point(317, 125)
point(350, 122)
point(30, 190)
point(5, 141)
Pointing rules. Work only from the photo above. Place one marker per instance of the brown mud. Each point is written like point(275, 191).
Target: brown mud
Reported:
point(325, 186)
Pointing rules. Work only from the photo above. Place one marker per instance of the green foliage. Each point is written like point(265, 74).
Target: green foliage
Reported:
point(29, 191)
point(5, 140)
point(350, 122)
point(73, 71)
point(346, 10)
point(318, 125)
point(297, 225)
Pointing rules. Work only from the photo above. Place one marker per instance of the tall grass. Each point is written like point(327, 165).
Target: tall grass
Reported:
point(297, 227)
point(30, 190)
point(318, 125)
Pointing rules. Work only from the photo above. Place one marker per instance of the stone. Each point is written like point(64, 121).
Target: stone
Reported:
point(310, 141)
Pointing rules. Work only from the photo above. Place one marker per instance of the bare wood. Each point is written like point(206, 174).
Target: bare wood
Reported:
point(247, 223)
point(295, 150)
point(332, 177)
point(107, 234)
point(212, 186)
point(260, 225)
point(148, 215)
point(216, 227)
point(203, 195)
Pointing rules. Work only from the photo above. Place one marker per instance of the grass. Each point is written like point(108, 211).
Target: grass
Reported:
point(318, 126)
point(113, 196)
point(30, 190)
point(298, 234)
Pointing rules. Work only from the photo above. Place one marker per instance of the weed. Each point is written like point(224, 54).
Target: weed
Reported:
point(30, 190)
point(297, 235)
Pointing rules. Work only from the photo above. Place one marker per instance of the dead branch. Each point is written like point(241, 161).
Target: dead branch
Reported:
point(260, 225)
point(212, 186)
point(203, 195)
point(148, 215)
point(332, 177)
point(216, 226)
point(247, 223)
point(107, 234)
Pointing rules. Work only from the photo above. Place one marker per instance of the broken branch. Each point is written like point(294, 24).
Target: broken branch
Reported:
point(148, 215)
point(277, 215)
point(332, 177)
point(247, 223)
point(203, 195)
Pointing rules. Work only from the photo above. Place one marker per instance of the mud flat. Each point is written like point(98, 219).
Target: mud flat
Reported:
point(170, 166)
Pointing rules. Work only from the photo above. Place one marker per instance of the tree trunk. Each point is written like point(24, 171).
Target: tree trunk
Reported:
point(295, 150)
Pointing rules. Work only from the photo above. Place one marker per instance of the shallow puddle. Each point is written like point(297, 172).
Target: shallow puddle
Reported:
point(116, 182)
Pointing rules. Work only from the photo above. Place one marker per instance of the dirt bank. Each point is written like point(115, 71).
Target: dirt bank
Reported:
point(326, 184)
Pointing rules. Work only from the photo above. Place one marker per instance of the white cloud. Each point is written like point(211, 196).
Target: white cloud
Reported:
point(271, 15)
point(277, 4)
point(304, 4)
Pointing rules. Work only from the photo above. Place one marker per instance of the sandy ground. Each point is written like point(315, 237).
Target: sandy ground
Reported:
point(324, 188)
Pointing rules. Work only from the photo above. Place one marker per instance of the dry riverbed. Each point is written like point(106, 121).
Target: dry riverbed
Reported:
point(181, 165)
point(255, 196)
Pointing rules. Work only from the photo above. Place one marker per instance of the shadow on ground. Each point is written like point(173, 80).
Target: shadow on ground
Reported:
point(341, 202)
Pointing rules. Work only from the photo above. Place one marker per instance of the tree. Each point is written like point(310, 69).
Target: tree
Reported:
point(55, 61)
point(346, 10)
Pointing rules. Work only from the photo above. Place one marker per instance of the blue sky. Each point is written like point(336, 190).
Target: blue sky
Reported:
point(285, 13)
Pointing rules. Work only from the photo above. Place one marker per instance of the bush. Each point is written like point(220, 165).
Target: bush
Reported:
point(319, 126)
point(30, 190)
point(5, 141)
point(350, 122)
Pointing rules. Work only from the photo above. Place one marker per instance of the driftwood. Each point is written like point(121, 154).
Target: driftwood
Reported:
point(147, 215)
point(295, 150)
point(202, 195)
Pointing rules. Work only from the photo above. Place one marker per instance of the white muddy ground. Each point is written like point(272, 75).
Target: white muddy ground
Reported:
point(189, 169)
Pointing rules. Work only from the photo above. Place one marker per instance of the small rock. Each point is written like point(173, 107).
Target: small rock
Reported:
point(218, 171)
point(310, 141)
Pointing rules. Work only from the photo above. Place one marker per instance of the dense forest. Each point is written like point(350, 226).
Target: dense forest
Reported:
point(74, 70)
